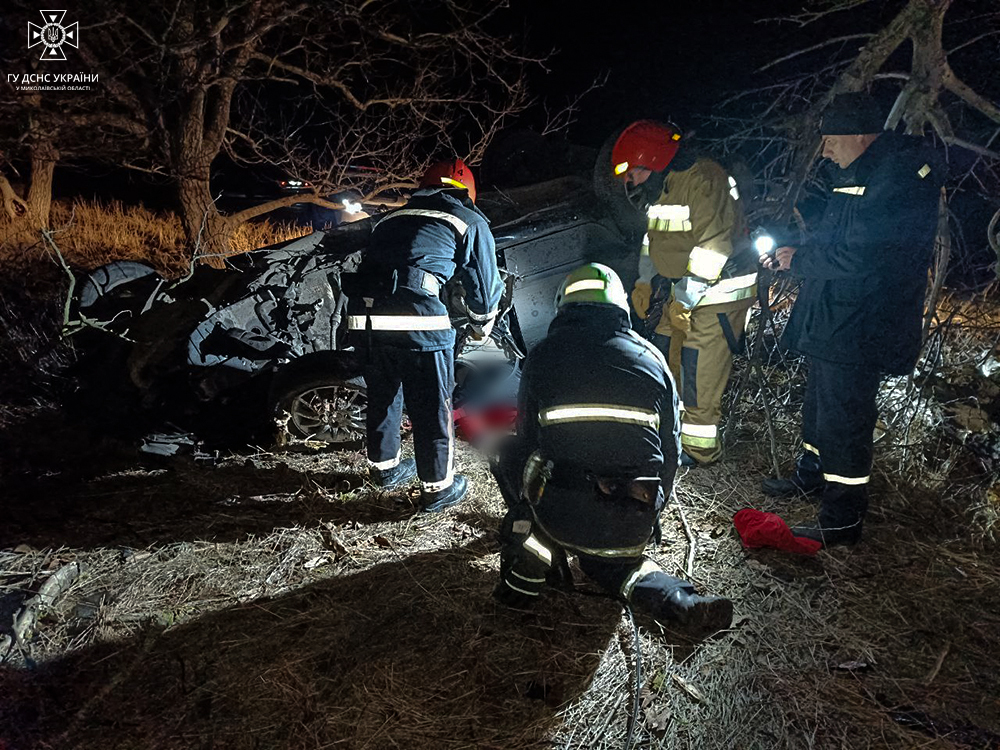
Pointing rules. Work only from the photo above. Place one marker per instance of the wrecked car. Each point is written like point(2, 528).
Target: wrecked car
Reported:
point(260, 349)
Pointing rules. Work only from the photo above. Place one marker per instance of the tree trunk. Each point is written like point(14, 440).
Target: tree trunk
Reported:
point(43, 164)
point(207, 231)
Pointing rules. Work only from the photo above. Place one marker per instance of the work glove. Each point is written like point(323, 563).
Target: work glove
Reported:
point(689, 291)
point(642, 294)
point(481, 331)
point(680, 317)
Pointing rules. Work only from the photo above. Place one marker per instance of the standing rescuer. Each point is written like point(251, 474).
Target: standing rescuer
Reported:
point(593, 460)
point(858, 314)
point(697, 272)
point(396, 309)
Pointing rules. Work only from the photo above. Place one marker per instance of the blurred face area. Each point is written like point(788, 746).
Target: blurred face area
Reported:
point(843, 150)
point(637, 176)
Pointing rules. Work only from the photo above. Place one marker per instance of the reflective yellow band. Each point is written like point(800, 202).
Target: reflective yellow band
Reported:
point(482, 318)
point(852, 190)
point(456, 222)
point(585, 285)
point(444, 484)
point(645, 244)
point(598, 413)
point(538, 549)
point(924, 171)
point(846, 480)
point(700, 430)
point(647, 567)
point(699, 442)
point(731, 290)
point(810, 448)
point(610, 552)
point(529, 580)
point(707, 263)
point(520, 590)
point(453, 183)
point(400, 322)
point(669, 217)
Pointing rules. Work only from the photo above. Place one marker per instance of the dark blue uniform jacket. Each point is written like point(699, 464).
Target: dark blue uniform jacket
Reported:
point(592, 363)
point(413, 252)
point(865, 271)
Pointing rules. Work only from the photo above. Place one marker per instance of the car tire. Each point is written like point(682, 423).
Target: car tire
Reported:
point(320, 397)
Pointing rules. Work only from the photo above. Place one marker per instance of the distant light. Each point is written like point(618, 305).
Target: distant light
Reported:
point(351, 207)
point(764, 244)
point(621, 168)
point(295, 183)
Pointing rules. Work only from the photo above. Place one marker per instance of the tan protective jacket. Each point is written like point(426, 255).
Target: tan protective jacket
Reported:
point(696, 229)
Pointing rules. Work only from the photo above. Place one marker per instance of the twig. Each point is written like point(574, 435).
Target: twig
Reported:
point(938, 664)
point(692, 543)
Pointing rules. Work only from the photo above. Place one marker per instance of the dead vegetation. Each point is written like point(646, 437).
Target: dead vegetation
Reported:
point(275, 599)
point(91, 234)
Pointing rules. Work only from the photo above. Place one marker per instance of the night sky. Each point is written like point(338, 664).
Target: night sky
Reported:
point(665, 60)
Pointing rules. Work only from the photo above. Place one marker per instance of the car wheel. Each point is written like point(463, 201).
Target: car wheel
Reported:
point(320, 402)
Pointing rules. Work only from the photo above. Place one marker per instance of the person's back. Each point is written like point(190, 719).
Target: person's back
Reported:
point(404, 329)
point(592, 365)
point(594, 460)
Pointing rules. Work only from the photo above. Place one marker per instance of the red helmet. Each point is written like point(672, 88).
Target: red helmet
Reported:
point(451, 173)
point(644, 144)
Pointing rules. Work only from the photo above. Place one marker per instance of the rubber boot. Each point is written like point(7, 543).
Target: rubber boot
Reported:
point(402, 473)
point(433, 502)
point(841, 516)
point(807, 479)
point(674, 604)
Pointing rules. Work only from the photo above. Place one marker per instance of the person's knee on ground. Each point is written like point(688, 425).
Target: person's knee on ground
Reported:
point(527, 559)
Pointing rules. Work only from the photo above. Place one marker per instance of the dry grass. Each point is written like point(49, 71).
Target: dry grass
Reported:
point(90, 234)
point(277, 600)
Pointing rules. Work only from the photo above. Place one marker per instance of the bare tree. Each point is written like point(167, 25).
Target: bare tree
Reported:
point(932, 95)
point(331, 87)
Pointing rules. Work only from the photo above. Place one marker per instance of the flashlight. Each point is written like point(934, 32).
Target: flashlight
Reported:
point(351, 207)
point(764, 243)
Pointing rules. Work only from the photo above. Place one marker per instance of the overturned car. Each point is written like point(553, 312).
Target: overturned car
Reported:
point(260, 349)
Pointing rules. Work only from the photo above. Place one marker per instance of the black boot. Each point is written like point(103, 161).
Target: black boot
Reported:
point(841, 515)
point(791, 487)
point(432, 502)
point(674, 604)
point(400, 474)
point(830, 536)
point(807, 479)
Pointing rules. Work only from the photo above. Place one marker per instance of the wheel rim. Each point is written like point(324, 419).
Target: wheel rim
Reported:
point(331, 413)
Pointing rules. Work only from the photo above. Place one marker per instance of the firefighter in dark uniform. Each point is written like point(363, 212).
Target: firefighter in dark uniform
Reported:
point(402, 323)
point(697, 272)
point(858, 314)
point(593, 461)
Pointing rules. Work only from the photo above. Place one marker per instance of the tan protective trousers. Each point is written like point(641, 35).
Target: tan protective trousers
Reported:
point(701, 361)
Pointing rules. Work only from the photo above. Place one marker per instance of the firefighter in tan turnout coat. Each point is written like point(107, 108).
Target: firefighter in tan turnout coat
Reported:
point(697, 274)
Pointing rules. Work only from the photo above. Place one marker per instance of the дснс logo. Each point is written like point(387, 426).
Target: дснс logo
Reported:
point(53, 35)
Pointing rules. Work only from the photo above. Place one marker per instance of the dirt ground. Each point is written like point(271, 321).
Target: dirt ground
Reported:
point(277, 600)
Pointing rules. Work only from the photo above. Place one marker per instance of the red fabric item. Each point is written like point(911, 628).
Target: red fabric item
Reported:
point(471, 425)
point(759, 529)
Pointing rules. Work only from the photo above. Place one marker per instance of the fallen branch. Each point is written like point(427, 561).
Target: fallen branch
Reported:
point(54, 587)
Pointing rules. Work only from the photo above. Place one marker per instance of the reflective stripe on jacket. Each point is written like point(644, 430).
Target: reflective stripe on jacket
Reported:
point(437, 235)
point(696, 230)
